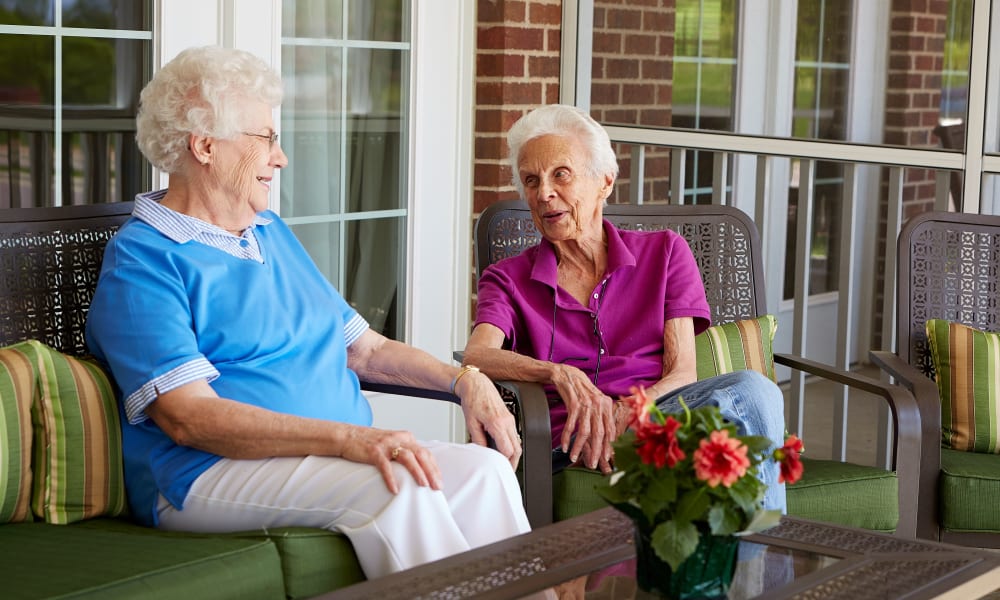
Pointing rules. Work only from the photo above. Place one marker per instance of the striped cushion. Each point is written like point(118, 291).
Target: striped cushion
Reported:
point(736, 347)
point(967, 366)
point(78, 449)
point(17, 390)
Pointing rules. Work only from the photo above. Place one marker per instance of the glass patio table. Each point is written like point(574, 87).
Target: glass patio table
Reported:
point(796, 559)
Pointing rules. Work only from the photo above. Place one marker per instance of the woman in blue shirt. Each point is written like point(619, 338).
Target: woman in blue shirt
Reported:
point(238, 363)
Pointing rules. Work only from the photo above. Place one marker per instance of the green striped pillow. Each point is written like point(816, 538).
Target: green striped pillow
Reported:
point(737, 346)
point(78, 449)
point(17, 390)
point(967, 367)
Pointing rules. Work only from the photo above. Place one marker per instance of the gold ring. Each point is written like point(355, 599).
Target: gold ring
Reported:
point(395, 452)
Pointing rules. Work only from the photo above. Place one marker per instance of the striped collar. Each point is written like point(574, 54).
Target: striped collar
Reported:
point(183, 228)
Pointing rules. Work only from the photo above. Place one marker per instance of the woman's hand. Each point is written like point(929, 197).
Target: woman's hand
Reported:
point(486, 414)
point(589, 417)
point(194, 415)
point(380, 447)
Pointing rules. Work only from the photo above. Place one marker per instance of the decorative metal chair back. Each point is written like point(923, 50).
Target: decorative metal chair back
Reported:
point(50, 259)
point(949, 268)
point(723, 239)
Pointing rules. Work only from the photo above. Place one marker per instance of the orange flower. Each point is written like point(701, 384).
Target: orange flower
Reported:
point(720, 459)
point(639, 406)
point(789, 459)
point(657, 444)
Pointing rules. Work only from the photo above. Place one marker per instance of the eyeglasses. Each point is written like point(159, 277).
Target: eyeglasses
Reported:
point(272, 138)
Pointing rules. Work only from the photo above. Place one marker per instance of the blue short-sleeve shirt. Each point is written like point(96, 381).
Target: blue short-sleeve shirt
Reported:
point(252, 315)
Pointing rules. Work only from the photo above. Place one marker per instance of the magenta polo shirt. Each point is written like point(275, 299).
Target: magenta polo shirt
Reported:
point(651, 277)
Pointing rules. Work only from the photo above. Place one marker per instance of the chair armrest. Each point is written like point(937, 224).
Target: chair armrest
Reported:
point(536, 433)
point(536, 460)
point(923, 388)
point(925, 392)
point(907, 429)
point(405, 390)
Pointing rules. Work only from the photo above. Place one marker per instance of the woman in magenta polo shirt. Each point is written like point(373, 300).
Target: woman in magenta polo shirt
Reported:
point(592, 310)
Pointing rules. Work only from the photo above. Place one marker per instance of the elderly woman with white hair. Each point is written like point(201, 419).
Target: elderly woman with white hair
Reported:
point(238, 363)
point(592, 310)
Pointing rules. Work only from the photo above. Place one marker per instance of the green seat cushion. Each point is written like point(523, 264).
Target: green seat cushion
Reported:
point(830, 491)
point(313, 561)
point(573, 493)
point(85, 560)
point(846, 494)
point(969, 488)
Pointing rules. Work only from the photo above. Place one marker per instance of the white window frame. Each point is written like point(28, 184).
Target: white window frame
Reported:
point(438, 268)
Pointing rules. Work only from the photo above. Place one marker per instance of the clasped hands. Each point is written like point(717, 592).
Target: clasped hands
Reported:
point(592, 420)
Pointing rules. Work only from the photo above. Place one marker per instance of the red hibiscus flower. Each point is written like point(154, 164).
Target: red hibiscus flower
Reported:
point(657, 444)
point(720, 459)
point(789, 459)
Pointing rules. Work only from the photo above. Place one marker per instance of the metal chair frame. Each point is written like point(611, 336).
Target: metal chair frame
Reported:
point(947, 269)
point(726, 246)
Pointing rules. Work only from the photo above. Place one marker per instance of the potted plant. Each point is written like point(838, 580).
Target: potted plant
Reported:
point(690, 483)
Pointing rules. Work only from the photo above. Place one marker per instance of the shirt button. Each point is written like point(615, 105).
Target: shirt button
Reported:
point(602, 350)
point(596, 296)
point(244, 243)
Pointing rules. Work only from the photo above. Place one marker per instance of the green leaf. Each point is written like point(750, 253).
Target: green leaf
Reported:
point(626, 456)
point(674, 542)
point(632, 511)
point(692, 505)
point(757, 444)
point(614, 494)
point(747, 493)
point(660, 494)
point(621, 486)
point(761, 520)
point(724, 520)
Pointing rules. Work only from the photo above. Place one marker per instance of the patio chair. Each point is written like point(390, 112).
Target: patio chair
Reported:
point(727, 248)
point(949, 269)
point(50, 259)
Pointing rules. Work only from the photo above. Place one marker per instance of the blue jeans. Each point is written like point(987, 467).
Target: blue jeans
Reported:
point(750, 401)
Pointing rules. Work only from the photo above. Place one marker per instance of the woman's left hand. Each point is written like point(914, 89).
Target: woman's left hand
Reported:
point(486, 414)
point(589, 419)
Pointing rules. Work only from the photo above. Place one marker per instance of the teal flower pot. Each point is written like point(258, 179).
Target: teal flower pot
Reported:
point(705, 574)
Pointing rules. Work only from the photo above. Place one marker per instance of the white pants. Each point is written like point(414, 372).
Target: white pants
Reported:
point(479, 503)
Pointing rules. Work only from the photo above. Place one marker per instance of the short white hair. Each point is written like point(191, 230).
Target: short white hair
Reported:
point(202, 91)
point(567, 121)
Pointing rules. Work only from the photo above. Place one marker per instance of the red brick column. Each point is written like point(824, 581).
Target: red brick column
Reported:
point(913, 98)
point(913, 88)
point(517, 69)
point(632, 81)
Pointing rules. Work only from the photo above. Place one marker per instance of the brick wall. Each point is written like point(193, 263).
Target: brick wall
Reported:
point(913, 100)
point(632, 81)
point(517, 69)
point(913, 90)
point(518, 61)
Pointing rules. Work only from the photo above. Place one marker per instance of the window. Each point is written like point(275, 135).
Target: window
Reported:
point(344, 127)
point(70, 76)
